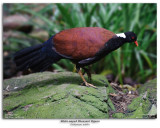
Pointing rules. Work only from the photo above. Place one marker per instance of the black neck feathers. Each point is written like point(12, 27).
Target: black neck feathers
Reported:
point(114, 43)
point(111, 45)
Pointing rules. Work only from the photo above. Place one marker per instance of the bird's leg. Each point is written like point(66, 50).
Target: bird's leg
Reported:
point(88, 73)
point(86, 83)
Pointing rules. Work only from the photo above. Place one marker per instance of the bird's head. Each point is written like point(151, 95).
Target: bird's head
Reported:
point(129, 37)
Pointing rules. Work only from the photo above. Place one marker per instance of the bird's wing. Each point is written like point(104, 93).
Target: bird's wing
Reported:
point(81, 43)
point(88, 61)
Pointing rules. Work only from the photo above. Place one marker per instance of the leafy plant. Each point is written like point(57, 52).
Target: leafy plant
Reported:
point(136, 62)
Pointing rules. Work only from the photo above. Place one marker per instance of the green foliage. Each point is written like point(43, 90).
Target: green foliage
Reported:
point(137, 62)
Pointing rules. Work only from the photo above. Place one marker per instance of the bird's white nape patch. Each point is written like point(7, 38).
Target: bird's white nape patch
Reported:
point(121, 35)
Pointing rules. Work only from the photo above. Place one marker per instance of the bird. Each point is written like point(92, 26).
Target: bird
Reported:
point(82, 45)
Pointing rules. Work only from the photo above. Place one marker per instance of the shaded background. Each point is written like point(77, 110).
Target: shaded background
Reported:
point(25, 25)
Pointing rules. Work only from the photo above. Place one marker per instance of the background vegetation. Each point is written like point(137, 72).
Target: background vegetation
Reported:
point(44, 20)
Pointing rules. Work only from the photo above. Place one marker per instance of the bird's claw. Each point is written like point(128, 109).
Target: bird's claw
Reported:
point(89, 85)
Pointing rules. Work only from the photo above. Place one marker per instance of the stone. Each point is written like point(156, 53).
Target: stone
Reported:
point(60, 95)
point(54, 95)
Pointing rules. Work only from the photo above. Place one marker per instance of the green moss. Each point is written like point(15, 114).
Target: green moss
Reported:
point(52, 96)
point(119, 115)
point(49, 95)
point(92, 100)
point(150, 87)
point(111, 106)
point(140, 104)
point(146, 106)
point(66, 108)
point(100, 80)
point(135, 103)
point(138, 114)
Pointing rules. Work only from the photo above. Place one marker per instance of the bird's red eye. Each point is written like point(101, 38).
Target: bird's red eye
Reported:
point(132, 37)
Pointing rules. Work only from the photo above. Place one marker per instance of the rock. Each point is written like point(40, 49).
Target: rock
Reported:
point(144, 106)
point(50, 95)
point(119, 115)
point(17, 21)
point(153, 111)
point(54, 95)
point(151, 88)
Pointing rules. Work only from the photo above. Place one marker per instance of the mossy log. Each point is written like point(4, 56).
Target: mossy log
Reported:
point(50, 95)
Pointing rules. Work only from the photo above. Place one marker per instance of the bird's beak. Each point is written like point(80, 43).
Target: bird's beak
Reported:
point(136, 43)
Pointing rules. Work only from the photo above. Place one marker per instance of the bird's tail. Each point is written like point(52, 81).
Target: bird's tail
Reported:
point(37, 58)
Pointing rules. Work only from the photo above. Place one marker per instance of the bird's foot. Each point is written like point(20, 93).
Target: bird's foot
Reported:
point(88, 85)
